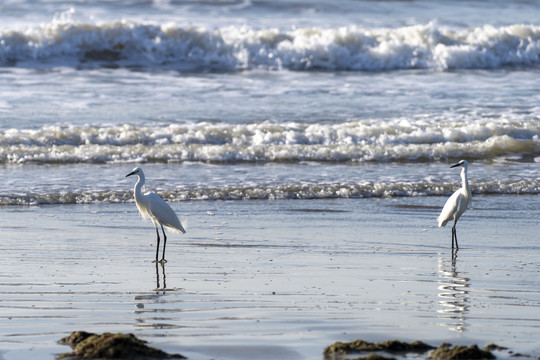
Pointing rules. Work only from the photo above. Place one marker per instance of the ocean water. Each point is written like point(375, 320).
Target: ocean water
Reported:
point(242, 100)
point(265, 103)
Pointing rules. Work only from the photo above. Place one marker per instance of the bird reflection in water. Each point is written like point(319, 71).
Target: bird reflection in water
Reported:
point(453, 294)
point(150, 303)
point(158, 282)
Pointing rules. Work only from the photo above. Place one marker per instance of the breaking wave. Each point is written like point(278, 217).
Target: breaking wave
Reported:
point(278, 192)
point(398, 140)
point(171, 46)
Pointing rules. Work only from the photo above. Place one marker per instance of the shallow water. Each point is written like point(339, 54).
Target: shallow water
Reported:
point(272, 279)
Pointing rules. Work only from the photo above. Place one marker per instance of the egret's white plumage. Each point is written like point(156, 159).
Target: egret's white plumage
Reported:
point(457, 203)
point(151, 206)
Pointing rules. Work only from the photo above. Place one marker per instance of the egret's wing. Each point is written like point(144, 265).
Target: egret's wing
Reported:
point(449, 209)
point(462, 204)
point(163, 213)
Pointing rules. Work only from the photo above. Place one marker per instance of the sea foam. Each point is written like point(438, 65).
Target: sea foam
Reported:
point(402, 140)
point(308, 191)
point(233, 48)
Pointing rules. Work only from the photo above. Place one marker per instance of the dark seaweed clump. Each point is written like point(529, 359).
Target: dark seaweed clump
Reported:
point(448, 352)
point(337, 350)
point(340, 350)
point(110, 346)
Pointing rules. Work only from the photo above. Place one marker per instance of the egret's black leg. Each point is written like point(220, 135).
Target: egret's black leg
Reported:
point(157, 247)
point(453, 234)
point(164, 243)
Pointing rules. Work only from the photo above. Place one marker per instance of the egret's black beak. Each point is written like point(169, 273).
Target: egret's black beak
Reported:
point(453, 166)
point(131, 173)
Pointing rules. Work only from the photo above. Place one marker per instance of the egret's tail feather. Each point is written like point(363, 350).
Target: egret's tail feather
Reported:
point(179, 227)
point(442, 222)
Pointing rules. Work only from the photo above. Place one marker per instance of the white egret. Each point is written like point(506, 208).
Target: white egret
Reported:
point(151, 206)
point(457, 203)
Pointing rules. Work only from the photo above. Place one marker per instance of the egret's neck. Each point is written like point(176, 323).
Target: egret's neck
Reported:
point(138, 187)
point(465, 180)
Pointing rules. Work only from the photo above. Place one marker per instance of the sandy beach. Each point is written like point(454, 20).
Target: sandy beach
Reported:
point(272, 279)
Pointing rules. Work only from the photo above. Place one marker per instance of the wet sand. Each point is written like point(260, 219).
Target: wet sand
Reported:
point(272, 279)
